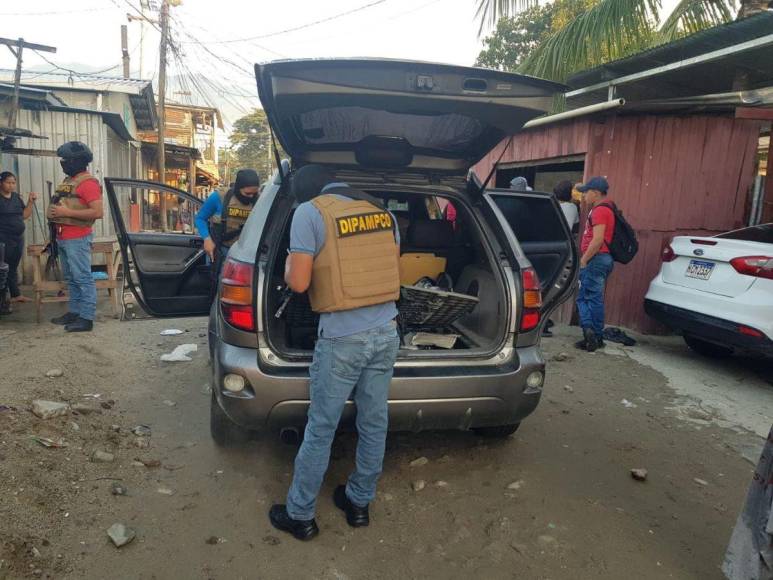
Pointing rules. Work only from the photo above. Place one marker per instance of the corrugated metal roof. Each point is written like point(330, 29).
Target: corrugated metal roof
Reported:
point(31, 94)
point(735, 56)
point(140, 92)
point(715, 38)
point(75, 82)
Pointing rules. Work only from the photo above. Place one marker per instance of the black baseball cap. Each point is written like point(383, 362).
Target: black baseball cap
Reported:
point(598, 183)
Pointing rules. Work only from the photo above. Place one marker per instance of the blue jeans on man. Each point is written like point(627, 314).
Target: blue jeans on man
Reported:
point(590, 299)
point(358, 366)
point(75, 257)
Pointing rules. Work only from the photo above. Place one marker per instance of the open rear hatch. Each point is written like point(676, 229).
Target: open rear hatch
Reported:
point(396, 114)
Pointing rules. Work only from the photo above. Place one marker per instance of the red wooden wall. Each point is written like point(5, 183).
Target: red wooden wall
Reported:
point(669, 174)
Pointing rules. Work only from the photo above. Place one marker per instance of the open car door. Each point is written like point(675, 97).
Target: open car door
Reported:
point(167, 271)
point(536, 221)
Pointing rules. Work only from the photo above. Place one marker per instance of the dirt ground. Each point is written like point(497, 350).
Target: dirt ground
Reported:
point(554, 501)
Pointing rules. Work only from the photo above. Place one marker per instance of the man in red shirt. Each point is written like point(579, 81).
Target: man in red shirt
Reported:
point(596, 262)
point(78, 203)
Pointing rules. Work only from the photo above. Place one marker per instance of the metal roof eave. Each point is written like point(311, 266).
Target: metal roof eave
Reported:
point(758, 98)
point(112, 120)
point(698, 43)
point(763, 41)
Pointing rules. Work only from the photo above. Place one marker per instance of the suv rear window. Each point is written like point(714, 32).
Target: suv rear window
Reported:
point(532, 219)
point(449, 132)
point(761, 233)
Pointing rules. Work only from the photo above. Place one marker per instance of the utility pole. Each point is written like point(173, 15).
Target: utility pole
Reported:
point(125, 51)
point(16, 47)
point(164, 22)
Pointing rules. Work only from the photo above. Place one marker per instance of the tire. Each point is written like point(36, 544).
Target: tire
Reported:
point(225, 433)
point(708, 349)
point(498, 432)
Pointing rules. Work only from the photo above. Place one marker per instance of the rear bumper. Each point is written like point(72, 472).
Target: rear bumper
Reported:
point(445, 398)
point(709, 328)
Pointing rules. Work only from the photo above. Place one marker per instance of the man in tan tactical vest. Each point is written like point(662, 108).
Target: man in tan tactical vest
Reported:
point(72, 212)
point(222, 217)
point(344, 249)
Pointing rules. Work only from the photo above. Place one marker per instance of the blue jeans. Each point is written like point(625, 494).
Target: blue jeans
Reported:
point(76, 267)
point(590, 299)
point(362, 363)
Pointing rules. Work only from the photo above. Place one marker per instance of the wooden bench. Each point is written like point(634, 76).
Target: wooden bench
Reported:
point(44, 288)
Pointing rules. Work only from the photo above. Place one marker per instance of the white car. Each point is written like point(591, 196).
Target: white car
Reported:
point(718, 291)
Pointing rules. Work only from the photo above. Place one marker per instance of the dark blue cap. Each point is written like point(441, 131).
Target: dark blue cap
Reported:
point(598, 183)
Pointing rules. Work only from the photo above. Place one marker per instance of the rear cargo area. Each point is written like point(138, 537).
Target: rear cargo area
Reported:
point(452, 297)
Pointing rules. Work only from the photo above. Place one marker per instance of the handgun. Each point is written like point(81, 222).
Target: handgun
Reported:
point(286, 295)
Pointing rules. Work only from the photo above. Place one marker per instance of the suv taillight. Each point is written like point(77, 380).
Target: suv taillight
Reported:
point(757, 266)
point(236, 294)
point(532, 299)
point(668, 254)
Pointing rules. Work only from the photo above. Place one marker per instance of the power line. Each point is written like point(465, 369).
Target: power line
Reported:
point(55, 12)
point(141, 14)
point(363, 31)
point(232, 51)
point(75, 72)
point(302, 26)
point(208, 51)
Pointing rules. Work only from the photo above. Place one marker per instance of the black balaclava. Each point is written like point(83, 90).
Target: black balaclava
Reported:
point(75, 157)
point(308, 182)
point(246, 178)
point(73, 167)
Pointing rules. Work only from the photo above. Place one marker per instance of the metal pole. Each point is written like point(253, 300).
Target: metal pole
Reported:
point(125, 50)
point(19, 46)
point(16, 83)
point(164, 21)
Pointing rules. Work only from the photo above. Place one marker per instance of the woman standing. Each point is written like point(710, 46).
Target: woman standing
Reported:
point(563, 193)
point(13, 212)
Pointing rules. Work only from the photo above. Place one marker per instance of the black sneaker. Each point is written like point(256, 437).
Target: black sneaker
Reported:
point(356, 516)
point(80, 325)
point(65, 319)
point(300, 529)
point(591, 340)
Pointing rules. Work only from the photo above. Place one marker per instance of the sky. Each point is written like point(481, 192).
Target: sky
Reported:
point(212, 55)
point(436, 30)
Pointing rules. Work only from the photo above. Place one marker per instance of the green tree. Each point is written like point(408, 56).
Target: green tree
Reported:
point(516, 37)
point(606, 30)
point(250, 147)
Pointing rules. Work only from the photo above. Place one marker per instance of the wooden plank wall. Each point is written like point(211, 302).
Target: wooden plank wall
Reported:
point(671, 175)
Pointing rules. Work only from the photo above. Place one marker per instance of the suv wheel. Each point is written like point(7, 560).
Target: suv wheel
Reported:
point(707, 348)
point(225, 432)
point(498, 432)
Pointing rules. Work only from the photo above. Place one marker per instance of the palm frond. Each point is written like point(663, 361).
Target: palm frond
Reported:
point(690, 16)
point(489, 11)
point(608, 30)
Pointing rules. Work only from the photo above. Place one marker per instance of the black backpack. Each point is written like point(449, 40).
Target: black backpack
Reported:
point(624, 244)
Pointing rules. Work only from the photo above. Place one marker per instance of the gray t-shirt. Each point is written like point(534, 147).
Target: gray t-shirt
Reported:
point(307, 236)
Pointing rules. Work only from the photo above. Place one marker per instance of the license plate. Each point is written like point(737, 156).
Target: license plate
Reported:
point(699, 269)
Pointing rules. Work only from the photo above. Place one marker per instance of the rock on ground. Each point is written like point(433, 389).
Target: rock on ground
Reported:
point(49, 409)
point(121, 534)
point(102, 457)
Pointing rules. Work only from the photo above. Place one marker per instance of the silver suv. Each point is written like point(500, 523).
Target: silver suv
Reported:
point(407, 133)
